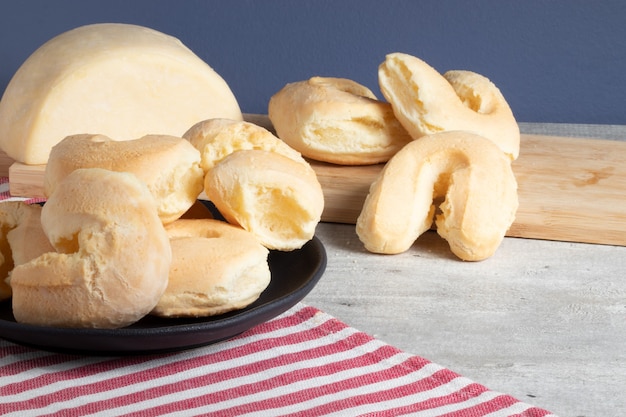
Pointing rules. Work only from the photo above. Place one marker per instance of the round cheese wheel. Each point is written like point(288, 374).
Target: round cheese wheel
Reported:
point(120, 80)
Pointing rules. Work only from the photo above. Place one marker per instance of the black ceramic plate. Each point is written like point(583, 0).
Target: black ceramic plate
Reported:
point(294, 274)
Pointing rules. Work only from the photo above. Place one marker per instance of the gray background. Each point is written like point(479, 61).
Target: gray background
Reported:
point(555, 61)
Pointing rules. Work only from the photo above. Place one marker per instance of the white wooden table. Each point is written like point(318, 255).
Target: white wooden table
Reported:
point(543, 321)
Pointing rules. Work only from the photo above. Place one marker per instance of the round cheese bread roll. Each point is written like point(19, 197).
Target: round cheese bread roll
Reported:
point(216, 268)
point(217, 138)
point(112, 257)
point(120, 80)
point(275, 198)
point(336, 120)
point(168, 165)
point(472, 176)
point(21, 239)
point(426, 102)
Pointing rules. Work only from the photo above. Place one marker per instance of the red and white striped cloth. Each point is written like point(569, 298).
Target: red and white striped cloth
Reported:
point(302, 363)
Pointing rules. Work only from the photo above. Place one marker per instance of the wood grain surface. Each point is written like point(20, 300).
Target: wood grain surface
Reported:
point(570, 189)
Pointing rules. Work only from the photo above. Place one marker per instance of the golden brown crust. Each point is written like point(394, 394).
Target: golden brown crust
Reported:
point(112, 255)
point(168, 165)
point(336, 120)
point(469, 172)
point(426, 102)
point(216, 268)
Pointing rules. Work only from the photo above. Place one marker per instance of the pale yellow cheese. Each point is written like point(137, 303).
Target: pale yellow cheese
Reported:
point(123, 81)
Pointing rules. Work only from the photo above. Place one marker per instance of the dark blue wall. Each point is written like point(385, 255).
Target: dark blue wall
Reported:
point(555, 61)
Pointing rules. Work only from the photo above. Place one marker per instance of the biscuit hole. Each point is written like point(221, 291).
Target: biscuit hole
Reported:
point(67, 245)
point(474, 101)
point(440, 189)
point(6, 258)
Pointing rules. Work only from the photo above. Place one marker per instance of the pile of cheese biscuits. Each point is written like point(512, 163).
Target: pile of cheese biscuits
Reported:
point(133, 127)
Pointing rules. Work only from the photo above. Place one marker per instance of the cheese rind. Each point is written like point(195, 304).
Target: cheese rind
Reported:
point(120, 80)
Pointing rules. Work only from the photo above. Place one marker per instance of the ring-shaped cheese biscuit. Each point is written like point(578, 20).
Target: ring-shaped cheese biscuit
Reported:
point(168, 165)
point(472, 176)
point(111, 260)
point(275, 198)
point(216, 267)
point(426, 102)
point(218, 138)
point(336, 120)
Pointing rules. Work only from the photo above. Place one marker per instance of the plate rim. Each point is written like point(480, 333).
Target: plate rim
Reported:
point(236, 322)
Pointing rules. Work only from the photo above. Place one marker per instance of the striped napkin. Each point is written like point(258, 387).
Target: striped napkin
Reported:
point(301, 363)
point(5, 195)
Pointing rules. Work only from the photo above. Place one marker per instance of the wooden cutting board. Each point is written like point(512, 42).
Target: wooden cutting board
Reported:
point(570, 189)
